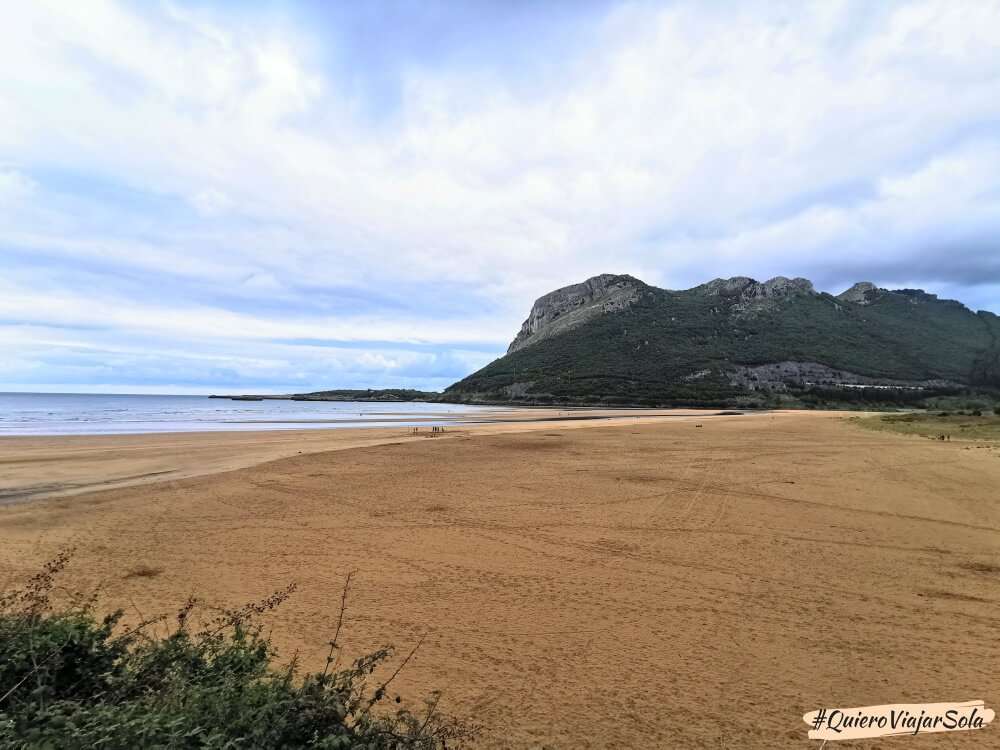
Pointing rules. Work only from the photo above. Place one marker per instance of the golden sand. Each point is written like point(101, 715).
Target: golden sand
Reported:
point(651, 584)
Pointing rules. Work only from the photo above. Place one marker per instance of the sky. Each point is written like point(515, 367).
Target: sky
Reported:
point(278, 197)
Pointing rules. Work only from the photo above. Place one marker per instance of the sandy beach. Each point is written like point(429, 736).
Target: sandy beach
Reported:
point(663, 582)
point(56, 466)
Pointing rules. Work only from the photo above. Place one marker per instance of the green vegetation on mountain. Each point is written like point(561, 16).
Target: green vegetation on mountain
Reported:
point(369, 394)
point(737, 341)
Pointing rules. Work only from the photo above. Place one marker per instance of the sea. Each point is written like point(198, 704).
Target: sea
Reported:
point(115, 414)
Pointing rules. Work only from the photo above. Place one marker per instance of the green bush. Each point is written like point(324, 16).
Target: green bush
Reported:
point(70, 680)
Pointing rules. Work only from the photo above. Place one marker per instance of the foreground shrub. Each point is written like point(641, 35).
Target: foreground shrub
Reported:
point(71, 680)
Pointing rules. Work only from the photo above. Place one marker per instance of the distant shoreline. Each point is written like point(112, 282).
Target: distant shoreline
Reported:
point(366, 395)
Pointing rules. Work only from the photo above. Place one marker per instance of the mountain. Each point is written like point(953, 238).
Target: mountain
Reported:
point(616, 340)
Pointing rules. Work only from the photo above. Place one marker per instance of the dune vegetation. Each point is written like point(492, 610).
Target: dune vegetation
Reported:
point(71, 678)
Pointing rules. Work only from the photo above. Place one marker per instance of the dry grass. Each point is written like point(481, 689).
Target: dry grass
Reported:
point(935, 424)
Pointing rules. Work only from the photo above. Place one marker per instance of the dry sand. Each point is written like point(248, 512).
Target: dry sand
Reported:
point(36, 467)
point(644, 585)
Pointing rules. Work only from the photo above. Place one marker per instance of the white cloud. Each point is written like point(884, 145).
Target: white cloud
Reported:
point(14, 186)
point(682, 115)
point(676, 142)
point(212, 202)
point(206, 323)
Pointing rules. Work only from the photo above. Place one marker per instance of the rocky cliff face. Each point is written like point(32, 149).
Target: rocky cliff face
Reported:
point(781, 376)
point(862, 293)
point(751, 294)
point(573, 305)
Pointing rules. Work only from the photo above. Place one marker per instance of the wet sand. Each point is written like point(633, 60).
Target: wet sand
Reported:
point(652, 584)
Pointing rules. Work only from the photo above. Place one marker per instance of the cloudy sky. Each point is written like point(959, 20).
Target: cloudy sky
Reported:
point(225, 196)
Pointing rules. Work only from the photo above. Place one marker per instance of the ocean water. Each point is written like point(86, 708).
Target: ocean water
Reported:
point(90, 414)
